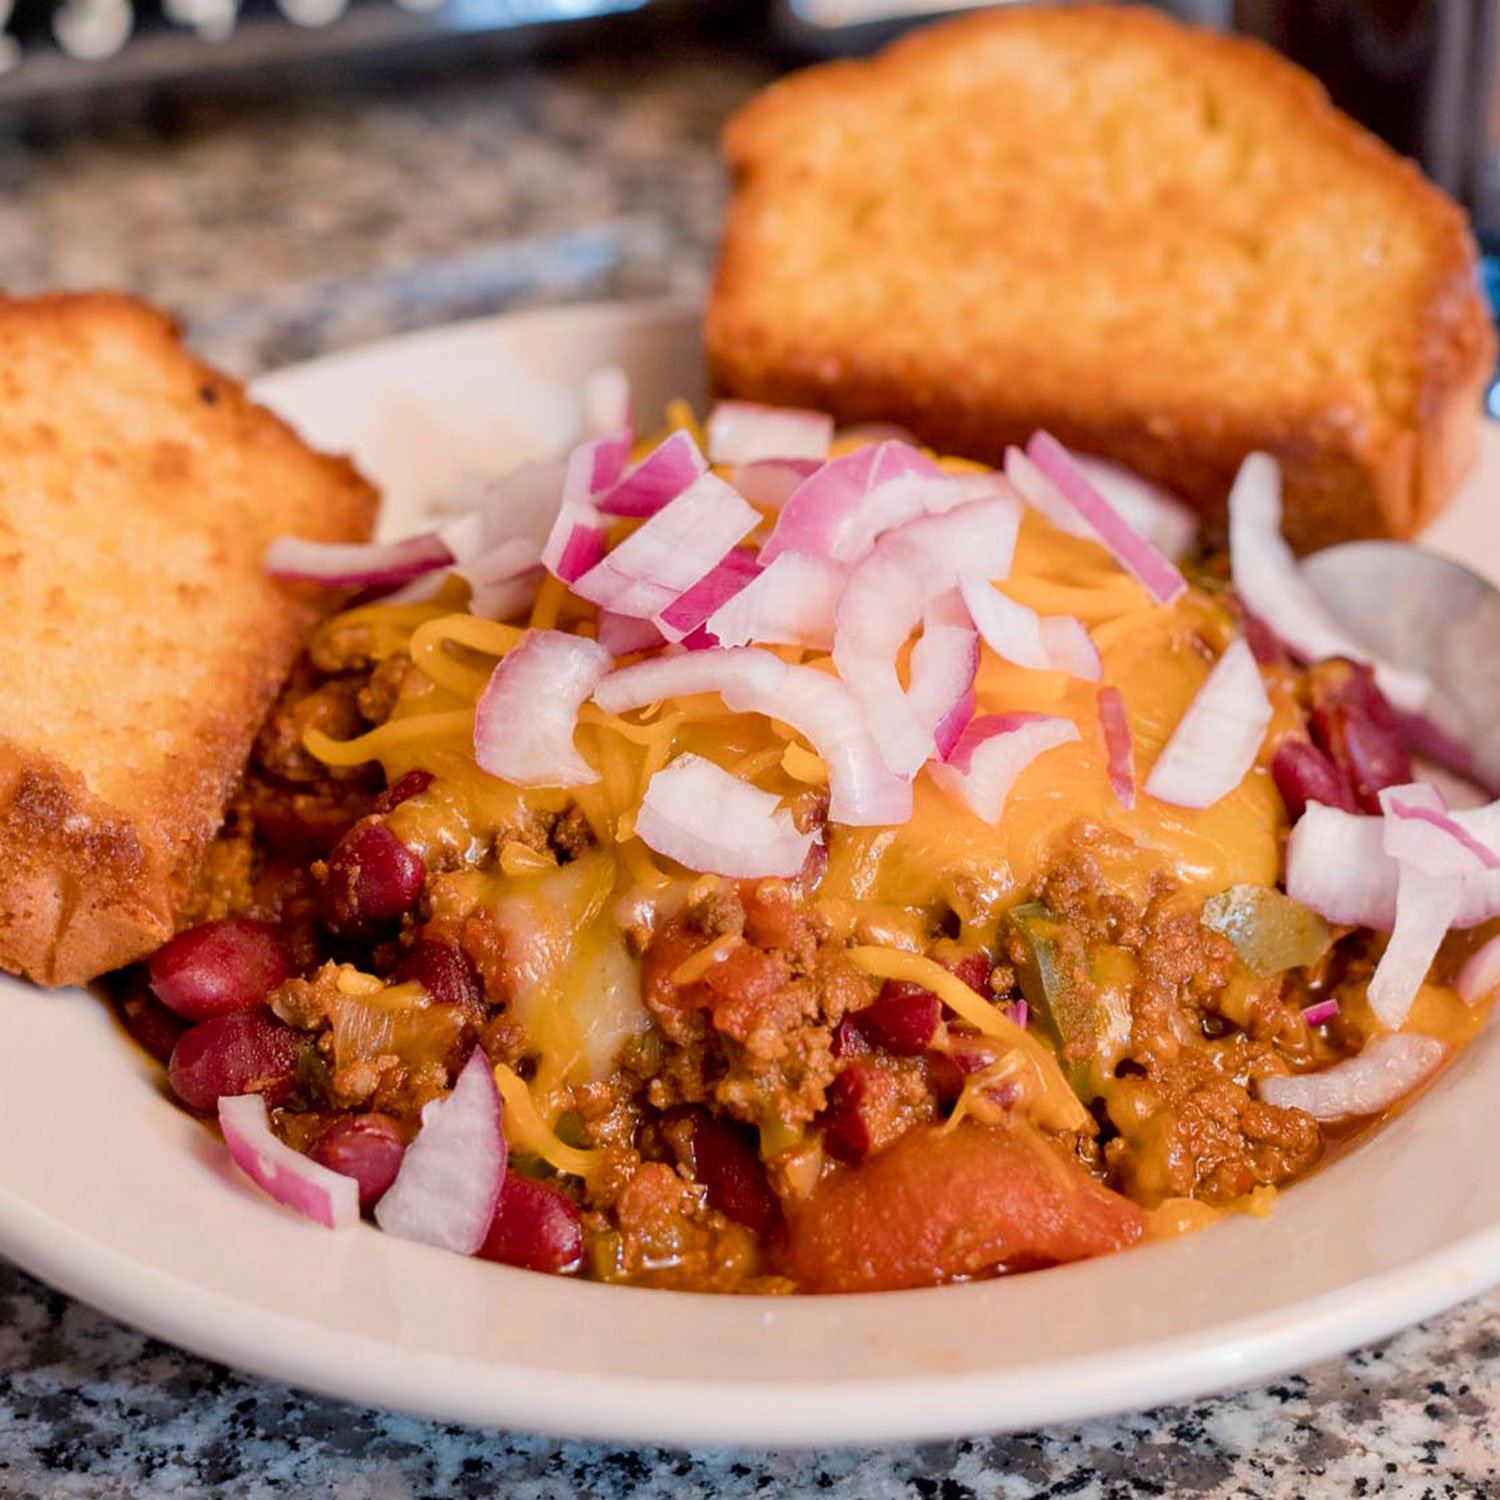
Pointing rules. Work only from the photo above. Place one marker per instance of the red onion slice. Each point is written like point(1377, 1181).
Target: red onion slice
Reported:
point(1323, 1011)
point(624, 635)
point(1043, 496)
point(819, 512)
point(717, 671)
point(771, 482)
point(525, 718)
point(661, 476)
point(1160, 517)
point(743, 432)
point(1216, 741)
point(1388, 1069)
point(703, 817)
point(1053, 643)
point(676, 547)
point(992, 753)
point(450, 1178)
point(293, 1180)
point(790, 603)
point(503, 580)
point(887, 595)
point(1336, 864)
point(944, 664)
point(1272, 586)
point(356, 565)
point(1119, 745)
point(576, 543)
point(1156, 573)
point(1432, 854)
point(863, 791)
point(1480, 976)
point(716, 588)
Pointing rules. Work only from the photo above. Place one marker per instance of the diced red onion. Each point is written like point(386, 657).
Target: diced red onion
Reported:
point(816, 517)
point(450, 1178)
point(1216, 741)
point(863, 791)
point(993, 752)
point(1480, 976)
point(944, 664)
point(1054, 643)
point(1160, 517)
point(676, 547)
point(1323, 1011)
point(1119, 745)
point(606, 403)
point(576, 543)
point(885, 598)
point(661, 476)
point(624, 635)
point(1419, 829)
point(1388, 1069)
point(293, 1180)
point(526, 716)
point(1157, 574)
point(504, 579)
point(709, 820)
point(790, 603)
point(716, 588)
point(356, 565)
point(1043, 496)
point(743, 432)
point(1336, 864)
point(771, 482)
point(1432, 854)
point(718, 671)
point(894, 502)
point(1268, 580)
point(520, 503)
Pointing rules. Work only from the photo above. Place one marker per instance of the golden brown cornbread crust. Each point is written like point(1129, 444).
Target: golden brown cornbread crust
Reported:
point(966, 293)
point(138, 491)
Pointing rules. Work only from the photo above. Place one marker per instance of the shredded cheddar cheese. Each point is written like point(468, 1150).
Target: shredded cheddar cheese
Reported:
point(525, 1129)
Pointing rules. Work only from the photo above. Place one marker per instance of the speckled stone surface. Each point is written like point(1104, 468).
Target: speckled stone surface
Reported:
point(287, 226)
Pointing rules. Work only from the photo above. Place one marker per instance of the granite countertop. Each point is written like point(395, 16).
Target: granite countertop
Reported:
point(282, 226)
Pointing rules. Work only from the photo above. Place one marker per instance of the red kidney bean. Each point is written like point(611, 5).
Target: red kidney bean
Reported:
point(974, 969)
point(903, 1021)
point(373, 879)
point(536, 1226)
point(149, 1022)
point(1303, 774)
point(856, 1099)
point(218, 967)
point(444, 971)
point(244, 1052)
point(728, 1165)
point(413, 784)
point(367, 1148)
point(1358, 729)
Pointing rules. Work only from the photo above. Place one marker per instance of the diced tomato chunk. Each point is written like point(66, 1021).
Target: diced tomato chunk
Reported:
point(945, 1202)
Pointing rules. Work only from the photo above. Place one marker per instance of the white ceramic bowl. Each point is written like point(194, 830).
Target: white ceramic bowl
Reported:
point(112, 1194)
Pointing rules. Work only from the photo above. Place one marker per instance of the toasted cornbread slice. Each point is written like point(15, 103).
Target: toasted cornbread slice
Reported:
point(1162, 243)
point(138, 491)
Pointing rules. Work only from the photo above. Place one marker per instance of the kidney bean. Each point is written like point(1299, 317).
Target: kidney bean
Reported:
point(903, 1021)
point(413, 784)
point(243, 1052)
point(444, 971)
point(536, 1226)
point(728, 1166)
point(974, 969)
point(149, 1022)
point(857, 1100)
point(1359, 731)
point(373, 879)
point(1304, 774)
point(218, 967)
point(367, 1148)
